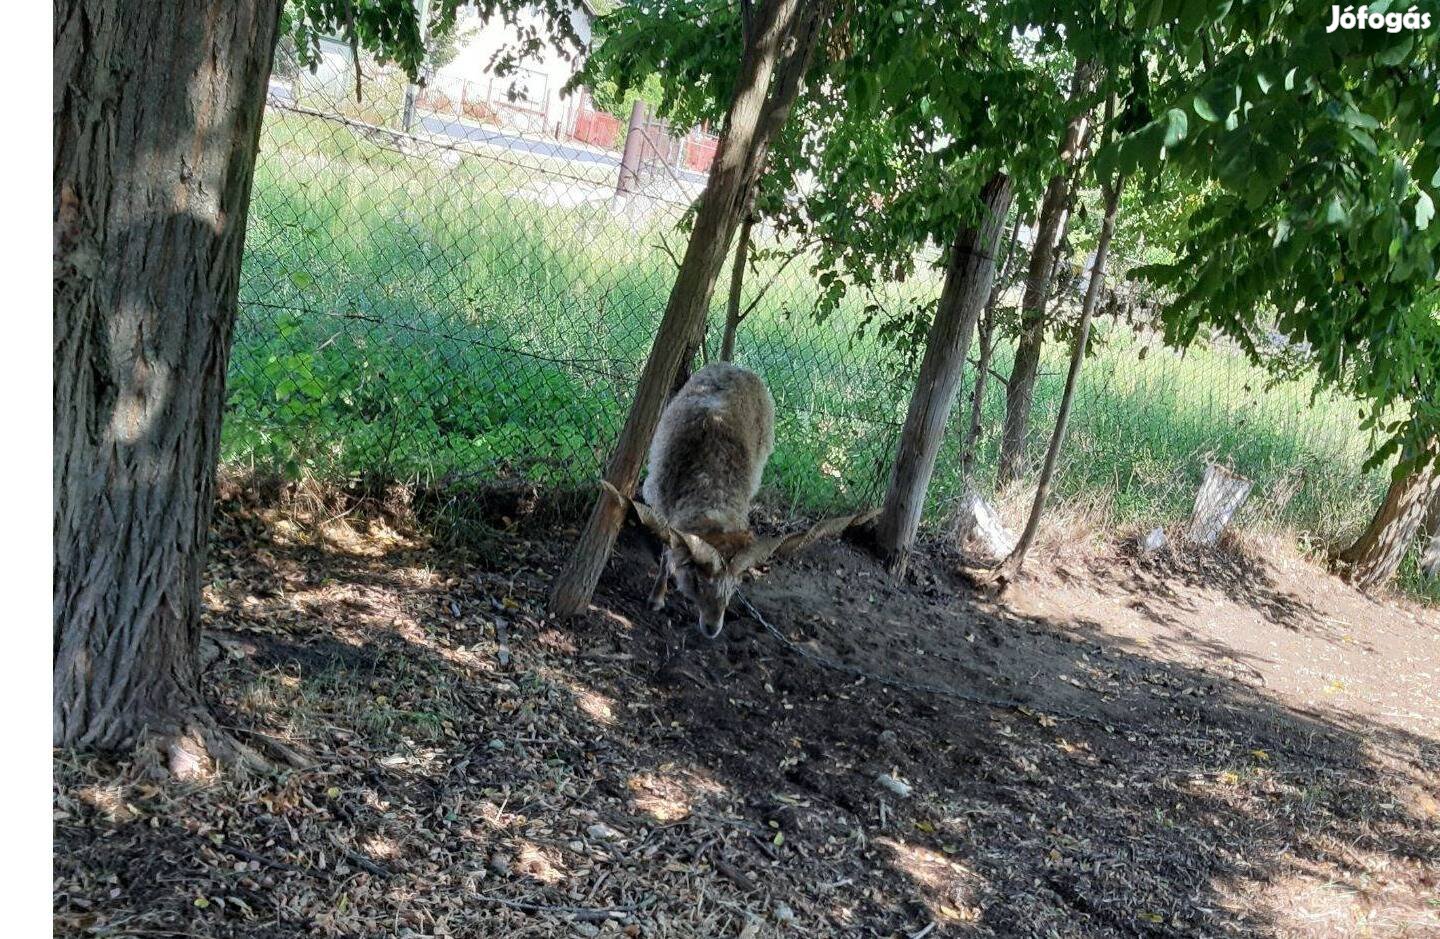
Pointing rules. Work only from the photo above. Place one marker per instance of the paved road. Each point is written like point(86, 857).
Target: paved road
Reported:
point(459, 130)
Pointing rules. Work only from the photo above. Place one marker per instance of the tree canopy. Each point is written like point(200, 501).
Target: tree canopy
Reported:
point(1293, 170)
point(390, 29)
point(1315, 158)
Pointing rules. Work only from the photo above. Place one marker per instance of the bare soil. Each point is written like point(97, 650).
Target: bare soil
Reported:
point(1224, 743)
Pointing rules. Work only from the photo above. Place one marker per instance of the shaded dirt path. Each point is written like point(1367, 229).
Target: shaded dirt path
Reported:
point(1177, 767)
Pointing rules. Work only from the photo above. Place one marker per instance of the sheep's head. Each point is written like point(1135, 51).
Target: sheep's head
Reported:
point(704, 575)
point(708, 567)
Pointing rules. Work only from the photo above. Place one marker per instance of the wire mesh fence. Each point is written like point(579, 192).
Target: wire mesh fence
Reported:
point(474, 298)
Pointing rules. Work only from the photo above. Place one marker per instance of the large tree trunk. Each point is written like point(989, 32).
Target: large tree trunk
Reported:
point(1013, 564)
point(157, 111)
point(1020, 389)
point(968, 278)
point(1376, 555)
point(757, 111)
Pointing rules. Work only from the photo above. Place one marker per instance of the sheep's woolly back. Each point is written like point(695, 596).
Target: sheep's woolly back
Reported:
point(710, 450)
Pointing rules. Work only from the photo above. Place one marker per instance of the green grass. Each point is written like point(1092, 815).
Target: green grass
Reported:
point(409, 317)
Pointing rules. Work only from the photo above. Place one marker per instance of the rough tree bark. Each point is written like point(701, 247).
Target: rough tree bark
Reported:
point(968, 277)
point(157, 110)
point(1010, 569)
point(1020, 389)
point(758, 108)
point(1376, 555)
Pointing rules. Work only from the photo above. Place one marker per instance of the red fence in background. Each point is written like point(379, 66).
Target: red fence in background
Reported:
point(700, 152)
point(693, 151)
point(597, 128)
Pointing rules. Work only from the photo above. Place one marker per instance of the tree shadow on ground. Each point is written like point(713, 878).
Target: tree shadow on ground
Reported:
point(471, 759)
point(1173, 576)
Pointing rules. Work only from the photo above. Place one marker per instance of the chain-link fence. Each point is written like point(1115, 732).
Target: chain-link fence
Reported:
point(473, 299)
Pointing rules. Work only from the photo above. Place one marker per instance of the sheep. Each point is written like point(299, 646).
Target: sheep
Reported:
point(706, 461)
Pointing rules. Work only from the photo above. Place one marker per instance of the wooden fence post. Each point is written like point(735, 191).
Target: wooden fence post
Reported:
point(1221, 495)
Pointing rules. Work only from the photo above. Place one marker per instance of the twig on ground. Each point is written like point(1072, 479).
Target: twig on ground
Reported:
point(736, 876)
point(582, 912)
point(248, 855)
point(367, 865)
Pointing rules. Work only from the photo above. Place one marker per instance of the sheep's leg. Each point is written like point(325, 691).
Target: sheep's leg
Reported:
point(662, 582)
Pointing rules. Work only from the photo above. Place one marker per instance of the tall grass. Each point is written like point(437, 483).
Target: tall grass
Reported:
point(432, 314)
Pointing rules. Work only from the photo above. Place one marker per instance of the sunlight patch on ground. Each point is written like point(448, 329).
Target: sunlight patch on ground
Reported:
point(540, 864)
point(669, 794)
point(1325, 907)
point(109, 800)
point(948, 888)
point(599, 707)
point(619, 619)
point(495, 817)
point(380, 848)
point(662, 797)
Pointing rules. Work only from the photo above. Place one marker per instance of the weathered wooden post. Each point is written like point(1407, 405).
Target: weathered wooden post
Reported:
point(976, 522)
point(407, 115)
point(1221, 494)
point(629, 180)
point(970, 272)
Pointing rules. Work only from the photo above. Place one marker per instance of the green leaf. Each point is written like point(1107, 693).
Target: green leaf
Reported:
point(1335, 213)
point(1177, 125)
point(1204, 110)
point(1364, 140)
point(1399, 179)
point(1424, 211)
point(1357, 118)
point(1397, 53)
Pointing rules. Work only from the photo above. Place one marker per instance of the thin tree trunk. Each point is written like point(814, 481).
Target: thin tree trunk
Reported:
point(1010, 569)
point(157, 110)
point(971, 443)
point(737, 285)
point(757, 111)
point(970, 273)
point(1376, 555)
point(1020, 390)
point(986, 339)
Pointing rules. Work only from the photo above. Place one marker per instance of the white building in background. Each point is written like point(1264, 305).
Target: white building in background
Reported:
point(529, 98)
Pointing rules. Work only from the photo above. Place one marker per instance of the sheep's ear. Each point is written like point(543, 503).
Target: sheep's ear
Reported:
point(648, 516)
point(758, 552)
point(786, 545)
point(700, 551)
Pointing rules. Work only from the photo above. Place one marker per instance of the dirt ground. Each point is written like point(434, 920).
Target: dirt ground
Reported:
point(1227, 743)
